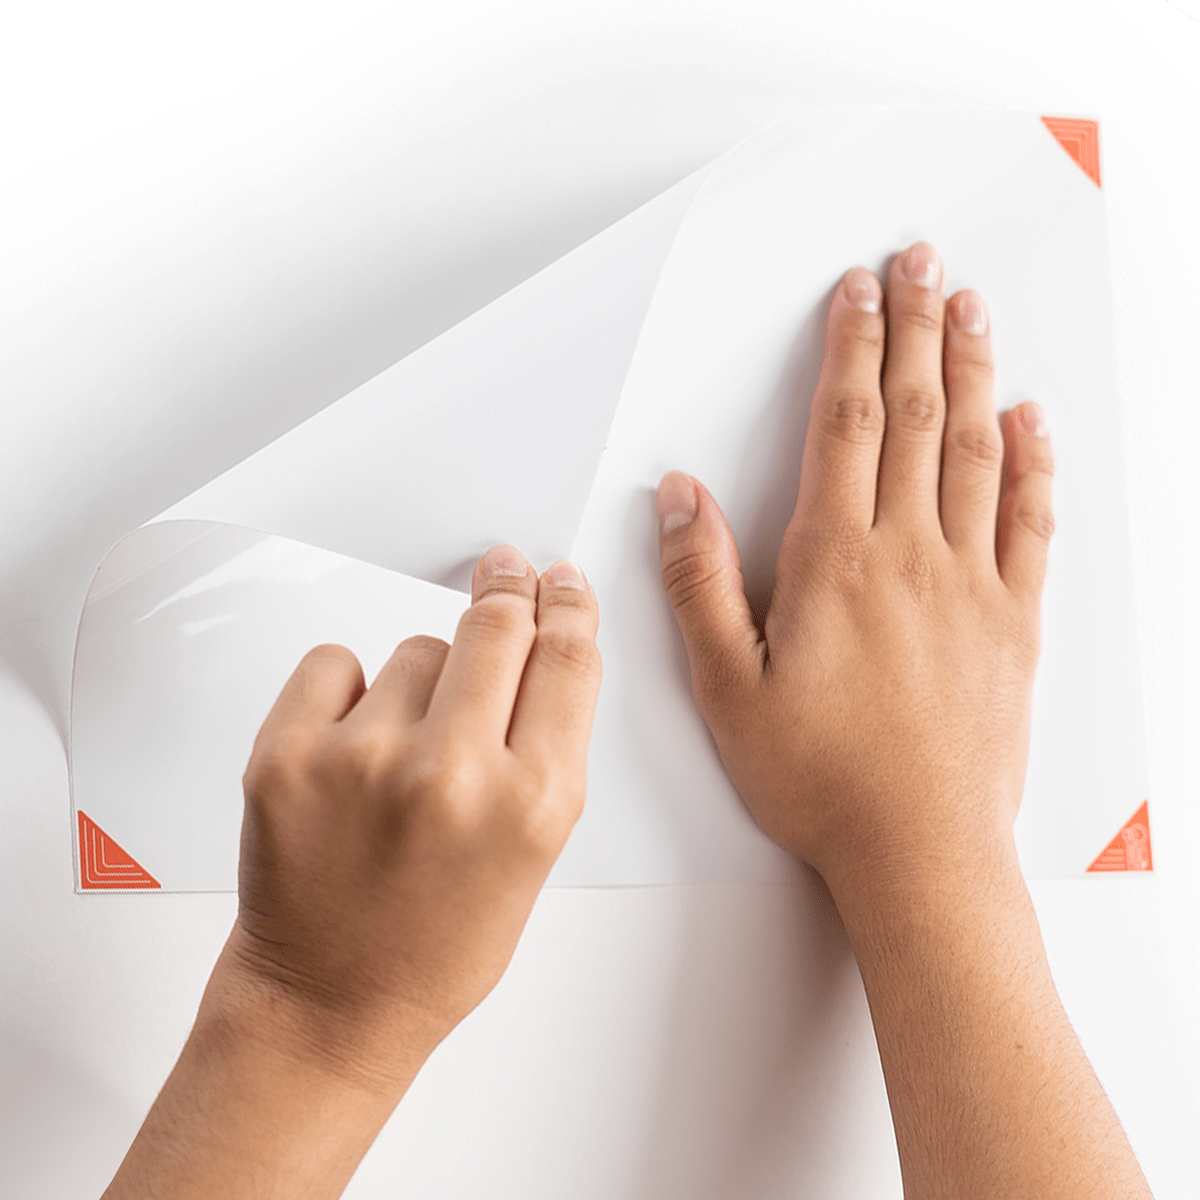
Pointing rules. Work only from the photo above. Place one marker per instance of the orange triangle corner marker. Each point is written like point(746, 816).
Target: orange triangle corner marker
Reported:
point(104, 865)
point(1081, 140)
point(1130, 849)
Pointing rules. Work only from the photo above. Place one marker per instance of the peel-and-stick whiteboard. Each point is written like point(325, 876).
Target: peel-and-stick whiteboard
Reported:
point(688, 336)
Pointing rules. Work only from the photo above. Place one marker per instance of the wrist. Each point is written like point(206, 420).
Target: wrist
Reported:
point(354, 1054)
point(924, 879)
point(255, 1106)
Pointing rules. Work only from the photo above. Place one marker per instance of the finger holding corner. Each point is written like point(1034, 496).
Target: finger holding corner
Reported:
point(552, 720)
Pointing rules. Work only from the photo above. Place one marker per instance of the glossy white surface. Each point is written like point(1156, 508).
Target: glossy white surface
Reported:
point(720, 385)
point(221, 219)
point(181, 657)
point(164, 709)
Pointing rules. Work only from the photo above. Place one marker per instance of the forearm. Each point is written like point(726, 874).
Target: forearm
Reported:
point(252, 1110)
point(990, 1090)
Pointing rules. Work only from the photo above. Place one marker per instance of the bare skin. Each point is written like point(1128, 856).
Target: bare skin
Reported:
point(396, 837)
point(878, 728)
point(394, 841)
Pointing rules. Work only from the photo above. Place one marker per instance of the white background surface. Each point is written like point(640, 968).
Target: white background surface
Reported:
point(215, 220)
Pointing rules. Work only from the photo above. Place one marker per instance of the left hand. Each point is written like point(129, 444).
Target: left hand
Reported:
point(395, 838)
point(394, 841)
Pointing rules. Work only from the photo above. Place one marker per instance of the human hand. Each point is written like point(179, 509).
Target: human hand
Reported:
point(879, 722)
point(395, 838)
point(394, 841)
point(878, 727)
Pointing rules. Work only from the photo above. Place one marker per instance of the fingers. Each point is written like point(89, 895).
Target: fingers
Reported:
point(321, 690)
point(1026, 519)
point(401, 692)
point(972, 450)
point(482, 671)
point(552, 721)
point(841, 449)
point(910, 461)
point(702, 577)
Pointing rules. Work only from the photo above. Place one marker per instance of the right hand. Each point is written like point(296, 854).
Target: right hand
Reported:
point(880, 721)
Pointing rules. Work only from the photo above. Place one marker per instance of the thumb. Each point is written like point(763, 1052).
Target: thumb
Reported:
point(702, 576)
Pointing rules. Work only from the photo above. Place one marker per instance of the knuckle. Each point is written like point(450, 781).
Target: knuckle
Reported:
point(423, 643)
point(545, 811)
point(498, 615)
point(858, 332)
point(924, 317)
point(836, 552)
point(574, 799)
point(275, 770)
point(688, 575)
point(441, 784)
point(1035, 517)
point(322, 667)
point(330, 652)
point(915, 408)
point(1041, 457)
point(356, 762)
point(567, 598)
point(444, 772)
point(979, 444)
point(542, 828)
point(854, 415)
point(567, 650)
point(323, 657)
point(970, 367)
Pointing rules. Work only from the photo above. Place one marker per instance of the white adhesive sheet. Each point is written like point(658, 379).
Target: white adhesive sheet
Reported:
point(687, 336)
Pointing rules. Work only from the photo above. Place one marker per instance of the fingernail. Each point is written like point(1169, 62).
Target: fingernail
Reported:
point(566, 574)
point(969, 313)
point(862, 290)
point(676, 502)
point(503, 560)
point(1032, 420)
point(922, 266)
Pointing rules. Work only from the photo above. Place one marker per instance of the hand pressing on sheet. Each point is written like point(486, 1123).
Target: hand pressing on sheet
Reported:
point(880, 721)
point(394, 841)
point(877, 727)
